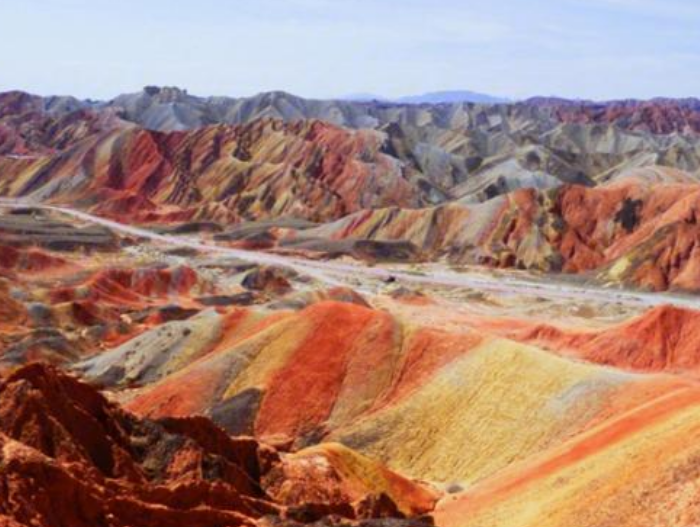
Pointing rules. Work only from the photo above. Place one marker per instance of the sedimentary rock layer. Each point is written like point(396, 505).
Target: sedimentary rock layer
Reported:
point(631, 231)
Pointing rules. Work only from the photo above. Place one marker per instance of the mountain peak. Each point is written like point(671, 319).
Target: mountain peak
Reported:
point(453, 96)
point(165, 92)
point(438, 97)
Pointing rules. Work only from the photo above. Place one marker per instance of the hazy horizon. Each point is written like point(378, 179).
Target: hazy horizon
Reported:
point(583, 49)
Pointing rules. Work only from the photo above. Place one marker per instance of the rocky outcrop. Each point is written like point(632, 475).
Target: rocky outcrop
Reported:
point(335, 475)
point(273, 280)
point(70, 457)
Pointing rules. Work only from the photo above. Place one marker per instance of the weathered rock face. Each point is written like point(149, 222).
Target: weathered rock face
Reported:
point(12, 312)
point(28, 261)
point(70, 457)
point(334, 474)
point(138, 287)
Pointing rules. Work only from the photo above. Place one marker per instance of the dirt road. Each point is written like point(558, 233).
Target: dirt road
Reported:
point(335, 273)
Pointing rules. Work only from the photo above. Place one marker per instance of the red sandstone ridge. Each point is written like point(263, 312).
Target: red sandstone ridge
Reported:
point(253, 380)
point(120, 287)
point(665, 338)
point(657, 116)
point(13, 317)
point(29, 260)
point(633, 233)
point(71, 458)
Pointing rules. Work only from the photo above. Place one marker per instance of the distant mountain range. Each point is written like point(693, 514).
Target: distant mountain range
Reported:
point(436, 175)
point(438, 97)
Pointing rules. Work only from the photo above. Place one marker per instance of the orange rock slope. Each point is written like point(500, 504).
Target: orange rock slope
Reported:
point(665, 338)
point(373, 381)
point(631, 461)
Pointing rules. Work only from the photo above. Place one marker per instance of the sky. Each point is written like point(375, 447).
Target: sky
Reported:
point(592, 49)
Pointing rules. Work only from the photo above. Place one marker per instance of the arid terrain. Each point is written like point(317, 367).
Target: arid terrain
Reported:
point(275, 311)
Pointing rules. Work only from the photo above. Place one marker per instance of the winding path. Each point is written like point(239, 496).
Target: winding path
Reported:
point(334, 273)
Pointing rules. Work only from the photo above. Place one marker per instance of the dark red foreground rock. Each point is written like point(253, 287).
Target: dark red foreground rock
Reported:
point(71, 458)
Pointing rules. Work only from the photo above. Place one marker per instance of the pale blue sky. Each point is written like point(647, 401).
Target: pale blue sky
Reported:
point(323, 48)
